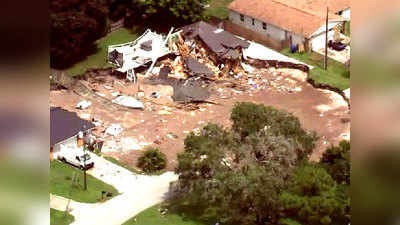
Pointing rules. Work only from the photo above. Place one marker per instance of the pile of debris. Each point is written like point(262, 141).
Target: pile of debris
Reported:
point(192, 61)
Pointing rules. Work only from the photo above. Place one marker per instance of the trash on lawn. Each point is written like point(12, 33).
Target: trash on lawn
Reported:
point(114, 130)
point(83, 104)
point(129, 102)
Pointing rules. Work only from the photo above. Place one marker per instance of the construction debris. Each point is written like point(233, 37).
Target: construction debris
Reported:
point(222, 43)
point(347, 93)
point(129, 102)
point(138, 52)
point(114, 130)
point(83, 104)
point(247, 68)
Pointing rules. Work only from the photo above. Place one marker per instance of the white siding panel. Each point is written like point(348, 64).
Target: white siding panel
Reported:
point(272, 30)
point(72, 141)
point(322, 28)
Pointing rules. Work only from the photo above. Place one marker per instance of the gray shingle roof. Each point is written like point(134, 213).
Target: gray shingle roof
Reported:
point(65, 124)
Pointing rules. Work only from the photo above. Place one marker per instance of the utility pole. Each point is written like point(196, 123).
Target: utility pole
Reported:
point(84, 168)
point(326, 41)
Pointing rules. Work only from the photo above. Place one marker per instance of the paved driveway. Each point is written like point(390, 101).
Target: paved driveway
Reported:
point(138, 192)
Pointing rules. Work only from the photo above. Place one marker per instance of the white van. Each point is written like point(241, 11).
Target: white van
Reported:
point(75, 156)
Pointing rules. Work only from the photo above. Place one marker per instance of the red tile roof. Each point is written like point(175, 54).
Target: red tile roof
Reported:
point(299, 16)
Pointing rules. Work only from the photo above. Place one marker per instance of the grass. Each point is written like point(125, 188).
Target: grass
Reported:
point(152, 216)
point(347, 28)
point(98, 59)
point(336, 75)
point(60, 218)
point(218, 8)
point(130, 168)
point(61, 175)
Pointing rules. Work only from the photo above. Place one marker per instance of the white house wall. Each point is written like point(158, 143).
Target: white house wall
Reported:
point(322, 28)
point(318, 42)
point(271, 31)
point(72, 141)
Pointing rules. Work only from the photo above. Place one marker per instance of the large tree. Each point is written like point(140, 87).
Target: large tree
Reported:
point(157, 14)
point(336, 160)
point(74, 27)
point(236, 177)
point(314, 198)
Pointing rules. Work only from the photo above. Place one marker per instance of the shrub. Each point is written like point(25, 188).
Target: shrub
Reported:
point(152, 160)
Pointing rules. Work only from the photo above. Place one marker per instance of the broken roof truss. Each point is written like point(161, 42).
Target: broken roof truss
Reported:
point(148, 47)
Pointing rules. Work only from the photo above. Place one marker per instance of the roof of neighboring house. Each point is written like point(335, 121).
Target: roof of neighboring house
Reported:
point(299, 16)
point(65, 124)
point(219, 41)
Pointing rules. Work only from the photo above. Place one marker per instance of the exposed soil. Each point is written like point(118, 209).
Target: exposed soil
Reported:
point(165, 124)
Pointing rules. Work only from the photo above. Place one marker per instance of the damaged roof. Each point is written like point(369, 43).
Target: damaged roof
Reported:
point(189, 90)
point(195, 68)
point(219, 41)
point(65, 124)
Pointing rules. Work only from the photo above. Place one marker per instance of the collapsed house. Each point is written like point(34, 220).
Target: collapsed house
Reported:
point(201, 53)
point(131, 55)
point(223, 48)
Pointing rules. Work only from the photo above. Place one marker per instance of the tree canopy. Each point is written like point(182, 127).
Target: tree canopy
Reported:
point(159, 14)
point(336, 160)
point(74, 27)
point(314, 198)
point(236, 176)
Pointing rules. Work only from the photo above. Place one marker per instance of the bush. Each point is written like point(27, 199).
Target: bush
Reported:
point(152, 160)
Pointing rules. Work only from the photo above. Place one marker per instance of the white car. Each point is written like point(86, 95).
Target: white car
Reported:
point(76, 157)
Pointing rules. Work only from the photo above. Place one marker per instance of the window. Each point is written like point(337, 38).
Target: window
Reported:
point(241, 17)
point(264, 26)
point(252, 21)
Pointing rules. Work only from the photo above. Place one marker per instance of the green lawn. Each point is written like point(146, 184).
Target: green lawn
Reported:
point(152, 216)
point(60, 218)
point(218, 8)
point(98, 59)
point(347, 28)
point(337, 75)
point(61, 175)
